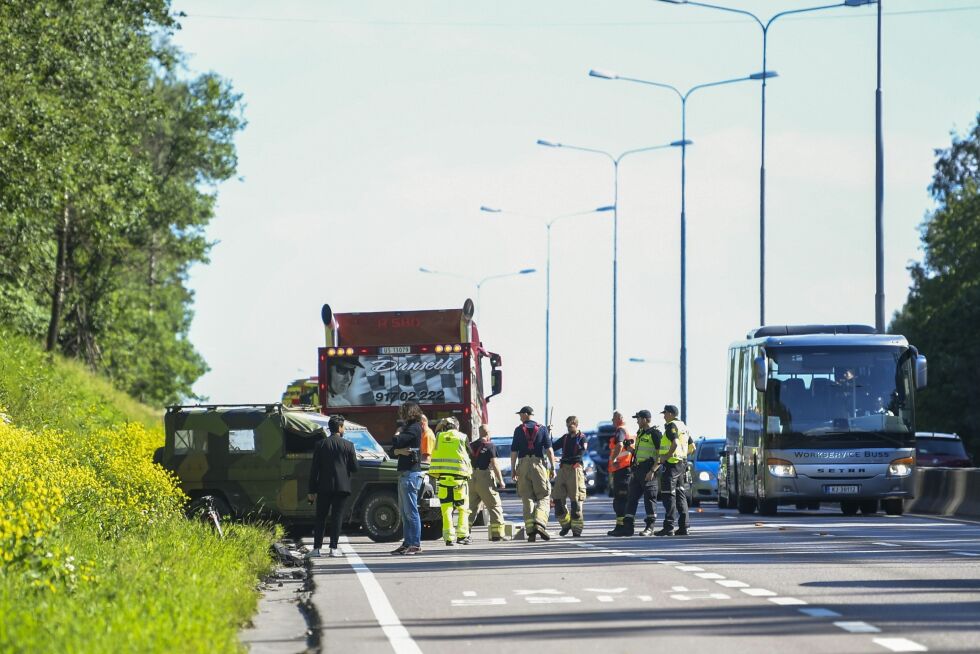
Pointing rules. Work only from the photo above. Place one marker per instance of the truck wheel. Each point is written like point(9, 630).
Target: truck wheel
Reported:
point(381, 518)
point(849, 507)
point(768, 507)
point(746, 504)
point(893, 507)
point(869, 507)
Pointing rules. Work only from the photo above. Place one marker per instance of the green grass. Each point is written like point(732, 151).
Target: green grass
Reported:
point(152, 582)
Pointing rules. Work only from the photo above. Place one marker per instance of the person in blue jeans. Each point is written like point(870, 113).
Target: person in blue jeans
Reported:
point(407, 445)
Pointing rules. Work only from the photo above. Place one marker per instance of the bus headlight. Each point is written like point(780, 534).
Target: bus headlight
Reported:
point(901, 467)
point(780, 468)
point(704, 475)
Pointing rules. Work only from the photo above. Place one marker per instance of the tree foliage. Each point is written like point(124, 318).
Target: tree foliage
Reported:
point(942, 313)
point(109, 159)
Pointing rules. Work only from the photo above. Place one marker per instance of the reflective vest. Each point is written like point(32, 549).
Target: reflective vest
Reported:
point(647, 444)
point(625, 457)
point(450, 456)
point(683, 443)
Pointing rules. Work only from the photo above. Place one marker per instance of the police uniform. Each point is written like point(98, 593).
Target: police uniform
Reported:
point(451, 466)
point(647, 447)
point(673, 474)
point(533, 483)
point(570, 484)
point(619, 477)
point(483, 487)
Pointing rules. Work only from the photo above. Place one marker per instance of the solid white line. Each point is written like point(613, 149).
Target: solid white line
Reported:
point(858, 627)
point(820, 613)
point(901, 645)
point(887, 544)
point(758, 592)
point(786, 601)
point(966, 553)
point(398, 636)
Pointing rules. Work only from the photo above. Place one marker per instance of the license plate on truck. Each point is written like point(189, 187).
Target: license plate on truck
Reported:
point(852, 489)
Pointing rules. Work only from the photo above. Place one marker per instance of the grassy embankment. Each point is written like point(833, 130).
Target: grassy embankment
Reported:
point(95, 554)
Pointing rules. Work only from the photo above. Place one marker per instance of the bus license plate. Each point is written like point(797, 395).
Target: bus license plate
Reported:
point(841, 490)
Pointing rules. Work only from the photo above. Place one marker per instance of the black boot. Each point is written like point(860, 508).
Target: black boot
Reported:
point(627, 527)
point(617, 530)
point(565, 529)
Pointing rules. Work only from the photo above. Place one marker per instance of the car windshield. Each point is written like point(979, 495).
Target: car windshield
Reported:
point(503, 449)
point(944, 446)
point(364, 443)
point(710, 451)
point(839, 393)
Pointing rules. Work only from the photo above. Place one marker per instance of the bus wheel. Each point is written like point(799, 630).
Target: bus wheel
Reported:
point(768, 507)
point(869, 507)
point(849, 507)
point(893, 507)
point(746, 504)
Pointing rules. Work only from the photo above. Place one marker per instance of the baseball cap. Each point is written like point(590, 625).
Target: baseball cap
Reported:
point(671, 409)
point(643, 413)
point(526, 409)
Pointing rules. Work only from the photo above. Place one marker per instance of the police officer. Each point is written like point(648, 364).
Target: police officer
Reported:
point(570, 482)
point(672, 462)
point(531, 444)
point(620, 458)
point(451, 466)
point(485, 481)
point(643, 481)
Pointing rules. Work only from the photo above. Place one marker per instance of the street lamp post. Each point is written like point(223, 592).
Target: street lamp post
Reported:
point(683, 96)
point(765, 25)
point(615, 162)
point(547, 310)
point(479, 283)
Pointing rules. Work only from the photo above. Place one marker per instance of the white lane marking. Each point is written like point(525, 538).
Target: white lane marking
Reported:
point(709, 575)
point(786, 601)
point(758, 592)
point(670, 563)
point(480, 601)
point(966, 553)
point(542, 591)
point(690, 568)
point(606, 590)
point(858, 627)
point(820, 613)
point(901, 645)
point(627, 554)
point(731, 583)
point(678, 589)
point(604, 598)
point(644, 598)
point(469, 593)
point(565, 599)
point(886, 544)
point(729, 517)
point(399, 638)
point(652, 558)
point(687, 598)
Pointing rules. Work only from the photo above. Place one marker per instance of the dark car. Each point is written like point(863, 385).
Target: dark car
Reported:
point(935, 449)
point(599, 449)
point(254, 460)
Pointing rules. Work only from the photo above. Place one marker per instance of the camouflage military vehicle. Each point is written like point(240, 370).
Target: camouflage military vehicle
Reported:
point(254, 459)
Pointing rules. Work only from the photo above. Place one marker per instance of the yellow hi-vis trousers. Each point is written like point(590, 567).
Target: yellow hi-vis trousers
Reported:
point(484, 489)
point(535, 490)
point(454, 494)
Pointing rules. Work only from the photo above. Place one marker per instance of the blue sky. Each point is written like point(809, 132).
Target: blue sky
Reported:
point(377, 129)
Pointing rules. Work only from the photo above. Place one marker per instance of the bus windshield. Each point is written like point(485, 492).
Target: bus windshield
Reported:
point(839, 393)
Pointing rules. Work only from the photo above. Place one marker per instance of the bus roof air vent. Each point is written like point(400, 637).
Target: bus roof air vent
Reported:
point(799, 330)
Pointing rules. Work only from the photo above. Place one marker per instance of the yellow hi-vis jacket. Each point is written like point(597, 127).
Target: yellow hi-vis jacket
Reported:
point(449, 457)
point(683, 442)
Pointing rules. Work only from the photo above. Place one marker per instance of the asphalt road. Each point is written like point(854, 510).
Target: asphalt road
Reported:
point(797, 582)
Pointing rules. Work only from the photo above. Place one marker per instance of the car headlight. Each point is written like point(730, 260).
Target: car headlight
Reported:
point(780, 467)
point(704, 475)
point(901, 467)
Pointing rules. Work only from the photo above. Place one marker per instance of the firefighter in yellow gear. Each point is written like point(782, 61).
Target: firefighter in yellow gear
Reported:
point(570, 482)
point(532, 447)
point(486, 480)
point(451, 467)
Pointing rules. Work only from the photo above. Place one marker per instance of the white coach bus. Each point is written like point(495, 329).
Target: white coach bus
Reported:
point(820, 413)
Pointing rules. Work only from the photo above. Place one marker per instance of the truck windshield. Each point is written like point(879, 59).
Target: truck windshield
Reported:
point(839, 393)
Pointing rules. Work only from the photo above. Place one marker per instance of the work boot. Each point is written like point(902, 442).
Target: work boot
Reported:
point(577, 534)
point(565, 529)
point(627, 529)
point(495, 539)
point(543, 533)
point(648, 531)
point(463, 540)
point(616, 531)
point(681, 532)
point(666, 531)
point(449, 543)
point(531, 536)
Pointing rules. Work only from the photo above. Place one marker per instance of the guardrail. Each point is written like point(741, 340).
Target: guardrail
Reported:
point(946, 491)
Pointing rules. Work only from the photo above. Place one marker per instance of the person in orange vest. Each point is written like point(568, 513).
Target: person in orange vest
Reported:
point(620, 460)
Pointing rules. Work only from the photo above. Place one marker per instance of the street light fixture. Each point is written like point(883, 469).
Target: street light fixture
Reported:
point(550, 220)
point(615, 208)
point(765, 25)
point(683, 143)
point(478, 283)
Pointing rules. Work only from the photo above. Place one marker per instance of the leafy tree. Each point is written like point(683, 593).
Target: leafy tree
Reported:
point(942, 313)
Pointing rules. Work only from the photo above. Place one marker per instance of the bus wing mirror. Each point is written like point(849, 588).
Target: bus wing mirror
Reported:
point(921, 371)
point(760, 373)
point(496, 383)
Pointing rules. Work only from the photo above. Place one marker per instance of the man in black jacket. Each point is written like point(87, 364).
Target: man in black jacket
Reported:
point(334, 461)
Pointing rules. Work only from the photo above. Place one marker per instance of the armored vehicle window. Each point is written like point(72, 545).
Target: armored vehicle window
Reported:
point(241, 440)
point(183, 441)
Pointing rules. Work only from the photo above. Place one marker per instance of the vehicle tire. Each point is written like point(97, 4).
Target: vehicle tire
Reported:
point(723, 502)
point(801, 506)
point(380, 517)
point(893, 507)
point(869, 507)
point(746, 504)
point(768, 507)
point(813, 506)
point(849, 507)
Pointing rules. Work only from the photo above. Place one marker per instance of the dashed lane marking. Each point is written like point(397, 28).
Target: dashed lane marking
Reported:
point(901, 645)
point(611, 591)
point(858, 627)
point(683, 597)
point(678, 589)
point(690, 568)
point(541, 591)
point(786, 601)
point(604, 598)
point(469, 593)
point(709, 575)
point(820, 613)
point(644, 598)
point(564, 599)
point(758, 592)
point(480, 601)
point(731, 583)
